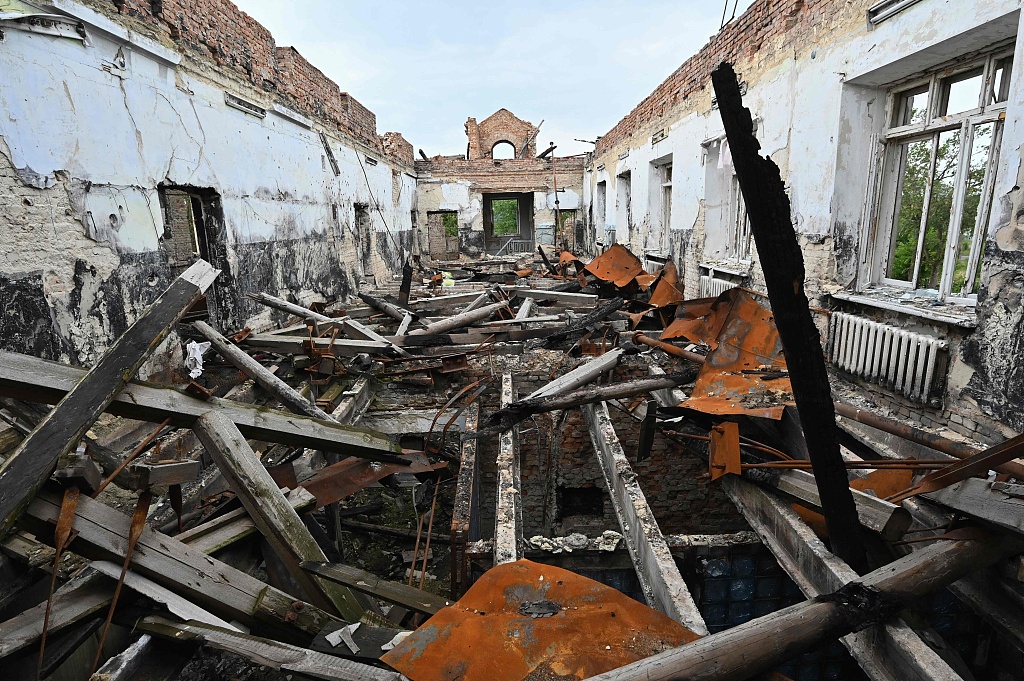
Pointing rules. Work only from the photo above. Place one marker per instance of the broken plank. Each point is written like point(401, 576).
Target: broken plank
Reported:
point(223, 590)
point(224, 530)
point(267, 652)
point(39, 380)
point(525, 309)
point(889, 520)
point(354, 329)
point(274, 516)
point(563, 297)
point(390, 309)
point(34, 459)
point(441, 302)
point(659, 576)
point(890, 651)
point(459, 320)
point(288, 396)
point(291, 308)
point(508, 527)
point(580, 376)
point(369, 583)
point(999, 503)
point(297, 345)
point(759, 644)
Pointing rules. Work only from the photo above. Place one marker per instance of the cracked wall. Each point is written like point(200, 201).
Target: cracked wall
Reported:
point(126, 114)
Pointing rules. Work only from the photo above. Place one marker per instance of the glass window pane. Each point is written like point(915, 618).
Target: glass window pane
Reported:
point(913, 160)
point(981, 148)
point(960, 92)
point(940, 206)
point(911, 106)
point(1001, 81)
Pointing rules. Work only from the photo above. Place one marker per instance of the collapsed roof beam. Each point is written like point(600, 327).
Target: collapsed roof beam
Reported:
point(659, 576)
point(508, 527)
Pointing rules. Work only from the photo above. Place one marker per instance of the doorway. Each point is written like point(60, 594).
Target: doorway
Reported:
point(508, 223)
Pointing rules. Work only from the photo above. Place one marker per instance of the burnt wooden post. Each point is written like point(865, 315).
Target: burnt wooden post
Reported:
point(783, 265)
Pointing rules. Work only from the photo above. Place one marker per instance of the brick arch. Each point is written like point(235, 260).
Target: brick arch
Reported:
point(501, 126)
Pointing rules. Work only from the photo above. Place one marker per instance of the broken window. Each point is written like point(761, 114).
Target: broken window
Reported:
point(600, 206)
point(666, 195)
point(941, 150)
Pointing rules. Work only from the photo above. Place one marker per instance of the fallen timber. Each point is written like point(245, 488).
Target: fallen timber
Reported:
point(523, 409)
point(762, 643)
point(26, 469)
point(38, 380)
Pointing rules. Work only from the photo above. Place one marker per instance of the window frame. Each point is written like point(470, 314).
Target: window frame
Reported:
point(890, 176)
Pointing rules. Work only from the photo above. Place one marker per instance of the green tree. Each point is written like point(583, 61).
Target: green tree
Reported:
point(505, 217)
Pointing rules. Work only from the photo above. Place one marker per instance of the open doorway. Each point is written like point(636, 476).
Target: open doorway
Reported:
point(194, 229)
point(443, 235)
point(508, 223)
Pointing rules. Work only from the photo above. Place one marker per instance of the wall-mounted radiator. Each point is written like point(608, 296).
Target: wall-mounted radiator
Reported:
point(712, 287)
point(901, 361)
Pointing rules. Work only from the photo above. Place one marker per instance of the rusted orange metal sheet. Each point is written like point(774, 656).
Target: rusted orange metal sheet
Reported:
point(745, 372)
point(667, 291)
point(525, 620)
point(616, 265)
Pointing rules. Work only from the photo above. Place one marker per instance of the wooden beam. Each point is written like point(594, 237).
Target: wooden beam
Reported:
point(34, 459)
point(390, 309)
point(369, 583)
point(269, 653)
point(210, 583)
point(296, 345)
point(441, 302)
point(891, 651)
point(465, 507)
point(224, 530)
point(292, 308)
point(459, 320)
point(659, 576)
point(581, 326)
point(580, 376)
point(760, 644)
point(508, 526)
point(525, 309)
point(563, 297)
point(354, 329)
point(782, 262)
point(878, 515)
point(517, 411)
point(274, 516)
point(39, 380)
point(288, 396)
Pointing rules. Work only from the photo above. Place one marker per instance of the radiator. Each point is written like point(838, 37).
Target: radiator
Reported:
point(711, 287)
point(899, 360)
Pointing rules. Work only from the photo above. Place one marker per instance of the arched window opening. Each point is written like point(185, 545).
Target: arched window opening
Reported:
point(503, 150)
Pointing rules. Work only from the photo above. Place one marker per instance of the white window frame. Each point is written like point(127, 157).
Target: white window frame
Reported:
point(896, 136)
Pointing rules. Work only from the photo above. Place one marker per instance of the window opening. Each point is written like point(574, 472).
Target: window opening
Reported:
point(940, 157)
point(666, 196)
point(503, 150)
point(505, 217)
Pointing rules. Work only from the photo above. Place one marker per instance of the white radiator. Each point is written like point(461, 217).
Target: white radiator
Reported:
point(711, 287)
point(899, 360)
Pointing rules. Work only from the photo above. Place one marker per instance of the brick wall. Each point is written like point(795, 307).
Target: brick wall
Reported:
point(507, 175)
point(768, 31)
point(397, 148)
point(218, 31)
point(501, 126)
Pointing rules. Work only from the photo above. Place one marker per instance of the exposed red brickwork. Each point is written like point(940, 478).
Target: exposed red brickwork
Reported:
point(508, 175)
point(313, 93)
point(217, 30)
point(779, 25)
point(501, 126)
point(397, 148)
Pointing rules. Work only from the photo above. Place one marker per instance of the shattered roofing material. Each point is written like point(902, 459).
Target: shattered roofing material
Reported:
point(745, 372)
point(525, 620)
point(617, 266)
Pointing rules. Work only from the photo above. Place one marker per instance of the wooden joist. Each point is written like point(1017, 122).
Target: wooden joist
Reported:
point(25, 470)
point(369, 583)
point(459, 320)
point(296, 345)
point(267, 652)
point(891, 651)
point(358, 331)
point(465, 507)
point(659, 576)
point(212, 584)
point(508, 526)
point(38, 380)
point(583, 299)
point(580, 376)
point(277, 521)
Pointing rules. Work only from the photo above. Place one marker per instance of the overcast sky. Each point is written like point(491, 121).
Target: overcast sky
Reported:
point(424, 67)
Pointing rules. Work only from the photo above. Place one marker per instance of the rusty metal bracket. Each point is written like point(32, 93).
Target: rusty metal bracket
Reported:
point(62, 538)
point(724, 450)
point(134, 532)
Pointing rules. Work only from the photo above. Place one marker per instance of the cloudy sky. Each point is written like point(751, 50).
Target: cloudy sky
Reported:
point(424, 67)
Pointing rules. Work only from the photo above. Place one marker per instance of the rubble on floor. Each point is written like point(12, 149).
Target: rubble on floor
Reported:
point(310, 503)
